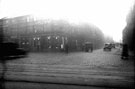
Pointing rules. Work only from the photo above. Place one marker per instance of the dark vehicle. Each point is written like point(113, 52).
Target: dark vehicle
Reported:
point(12, 50)
point(112, 45)
point(107, 47)
point(88, 46)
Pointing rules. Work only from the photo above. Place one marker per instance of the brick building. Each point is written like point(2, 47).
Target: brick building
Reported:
point(34, 34)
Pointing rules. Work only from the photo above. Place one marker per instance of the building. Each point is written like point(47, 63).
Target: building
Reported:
point(129, 31)
point(34, 34)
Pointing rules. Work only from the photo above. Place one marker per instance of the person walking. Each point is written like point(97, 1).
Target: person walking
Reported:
point(124, 54)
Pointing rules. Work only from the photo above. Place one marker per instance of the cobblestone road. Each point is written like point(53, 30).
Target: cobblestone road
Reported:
point(79, 68)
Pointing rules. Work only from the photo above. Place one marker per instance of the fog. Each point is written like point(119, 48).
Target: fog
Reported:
point(108, 15)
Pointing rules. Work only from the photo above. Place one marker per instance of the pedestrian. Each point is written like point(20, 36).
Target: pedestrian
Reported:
point(124, 54)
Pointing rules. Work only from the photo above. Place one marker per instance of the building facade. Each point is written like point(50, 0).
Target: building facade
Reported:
point(35, 35)
point(129, 31)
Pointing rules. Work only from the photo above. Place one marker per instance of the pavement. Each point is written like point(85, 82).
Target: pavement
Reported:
point(77, 70)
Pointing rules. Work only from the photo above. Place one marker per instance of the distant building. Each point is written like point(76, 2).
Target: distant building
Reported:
point(36, 34)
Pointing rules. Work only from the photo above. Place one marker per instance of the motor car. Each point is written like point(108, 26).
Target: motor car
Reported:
point(113, 45)
point(10, 50)
point(107, 47)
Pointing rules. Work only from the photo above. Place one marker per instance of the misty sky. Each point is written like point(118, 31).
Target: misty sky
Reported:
point(108, 15)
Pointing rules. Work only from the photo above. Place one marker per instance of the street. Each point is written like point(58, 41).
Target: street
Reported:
point(76, 70)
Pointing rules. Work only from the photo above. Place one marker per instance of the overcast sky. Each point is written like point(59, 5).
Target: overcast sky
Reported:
point(108, 15)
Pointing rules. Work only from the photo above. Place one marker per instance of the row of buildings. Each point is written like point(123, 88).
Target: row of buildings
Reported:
point(36, 34)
